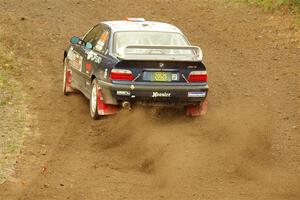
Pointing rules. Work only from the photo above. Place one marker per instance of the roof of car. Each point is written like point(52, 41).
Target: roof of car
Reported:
point(127, 25)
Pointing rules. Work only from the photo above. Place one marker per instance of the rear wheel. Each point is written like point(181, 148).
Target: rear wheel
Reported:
point(94, 100)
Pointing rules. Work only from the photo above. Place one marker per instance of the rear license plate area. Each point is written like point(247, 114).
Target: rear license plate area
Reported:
point(160, 76)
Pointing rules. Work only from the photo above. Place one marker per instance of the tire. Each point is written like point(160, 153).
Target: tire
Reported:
point(66, 91)
point(94, 101)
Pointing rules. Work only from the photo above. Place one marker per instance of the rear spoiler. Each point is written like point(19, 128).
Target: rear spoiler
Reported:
point(196, 56)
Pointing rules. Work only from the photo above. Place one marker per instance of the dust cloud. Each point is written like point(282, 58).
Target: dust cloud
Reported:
point(232, 144)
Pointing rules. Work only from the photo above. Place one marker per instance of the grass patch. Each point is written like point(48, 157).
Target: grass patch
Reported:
point(12, 114)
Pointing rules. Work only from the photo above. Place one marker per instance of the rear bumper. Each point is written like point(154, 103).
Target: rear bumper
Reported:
point(178, 93)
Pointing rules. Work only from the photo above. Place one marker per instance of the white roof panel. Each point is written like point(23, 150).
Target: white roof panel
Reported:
point(141, 26)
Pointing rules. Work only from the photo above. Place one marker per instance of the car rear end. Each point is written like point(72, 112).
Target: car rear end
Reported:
point(156, 68)
point(159, 82)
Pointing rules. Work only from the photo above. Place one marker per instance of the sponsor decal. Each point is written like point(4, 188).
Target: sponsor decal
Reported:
point(75, 59)
point(196, 94)
point(123, 93)
point(161, 94)
point(78, 62)
point(88, 68)
point(101, 42)
point(70, 55)
point(93, 56)
point(105, 73)
point(174, 77)
point(99, 46)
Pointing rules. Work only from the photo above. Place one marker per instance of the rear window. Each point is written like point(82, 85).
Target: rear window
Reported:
point(124, 39)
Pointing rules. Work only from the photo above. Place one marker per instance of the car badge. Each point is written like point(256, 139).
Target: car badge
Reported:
point(132, 87)
point(161, 65)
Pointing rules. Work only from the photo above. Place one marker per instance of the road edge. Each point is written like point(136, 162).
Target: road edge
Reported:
point(14, 117)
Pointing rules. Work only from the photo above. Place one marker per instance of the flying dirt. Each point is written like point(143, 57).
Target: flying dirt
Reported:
point(246, 147)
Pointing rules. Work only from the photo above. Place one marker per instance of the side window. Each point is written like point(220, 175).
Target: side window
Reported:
point(99, 38)
point(90, 35)
point(102, 42)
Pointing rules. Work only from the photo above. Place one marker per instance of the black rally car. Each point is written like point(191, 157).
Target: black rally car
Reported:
point(120, 63)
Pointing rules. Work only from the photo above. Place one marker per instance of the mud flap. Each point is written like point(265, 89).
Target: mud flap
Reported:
point(68, 81)
point(199, 110)
point(204, 107)
point(105, 109)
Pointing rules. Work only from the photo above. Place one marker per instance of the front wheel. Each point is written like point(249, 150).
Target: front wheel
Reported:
point(93, 100)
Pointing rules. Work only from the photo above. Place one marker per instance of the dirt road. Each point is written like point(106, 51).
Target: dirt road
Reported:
point(247, 147)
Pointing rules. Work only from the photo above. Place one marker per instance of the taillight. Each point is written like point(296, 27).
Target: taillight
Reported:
point(121, 75)
point(198, 76)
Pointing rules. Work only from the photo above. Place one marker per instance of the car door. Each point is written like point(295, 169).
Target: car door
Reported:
point(94, 59)
point(77, 63)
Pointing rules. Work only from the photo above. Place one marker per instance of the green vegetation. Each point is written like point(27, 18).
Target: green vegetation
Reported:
point(292, 6)
point(5, 66)
point(12, 115)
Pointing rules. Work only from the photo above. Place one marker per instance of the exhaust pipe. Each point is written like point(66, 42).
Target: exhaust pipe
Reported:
point(126, 105)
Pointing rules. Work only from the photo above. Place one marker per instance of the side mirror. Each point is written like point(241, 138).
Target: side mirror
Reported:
point(88, 45)
point(75, 40)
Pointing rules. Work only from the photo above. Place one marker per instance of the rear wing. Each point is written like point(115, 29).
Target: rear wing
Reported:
point(195, 53)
